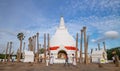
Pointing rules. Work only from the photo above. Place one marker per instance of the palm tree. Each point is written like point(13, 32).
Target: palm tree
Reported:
point(21, 37)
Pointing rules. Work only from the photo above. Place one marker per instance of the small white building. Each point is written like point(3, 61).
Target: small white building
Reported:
point(28, 56)
point(99, 56)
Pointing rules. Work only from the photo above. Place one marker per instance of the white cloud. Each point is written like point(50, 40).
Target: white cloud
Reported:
point(106, 23)
point(112, 34)
point(98, 6)
point(107, 36)
point(35, 21)
point(110, 4)
point(94, 24)
point(93, 40)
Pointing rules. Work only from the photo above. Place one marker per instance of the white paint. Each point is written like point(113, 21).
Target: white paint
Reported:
point(28, 56)
point(99, 56)
point(62, 38)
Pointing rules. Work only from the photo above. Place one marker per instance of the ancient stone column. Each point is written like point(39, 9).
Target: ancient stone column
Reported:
point(116, 60)
point(24, 47)
point(91, 55)
point(48, 39)
point(30, 45)
point(18, 53)
point(91, 51)
point(98, 46)
point(37, 42)
point(37, 47)
point(12, 53)
point(81, 46)
point(76, 46)
point(40, 52)
point(6, 51)
point(9, 57)
point(34, 43)
point(45, 47)
point(105, 49)
point(104, 46)
point(85, 45)
point(87, 59)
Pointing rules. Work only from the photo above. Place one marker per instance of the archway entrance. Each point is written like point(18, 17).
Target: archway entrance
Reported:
point(62, 54)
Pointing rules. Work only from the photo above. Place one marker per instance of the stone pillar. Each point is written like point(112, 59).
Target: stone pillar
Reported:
point(76, 56)
point(18, 53)
point(24, 47)
point(85, 46)
point(6, 51)
point(45, 47)
point(91, 51)
point(88, 59)
point(9, 57)
point(48, 39)
point(34, 43)
point(98, 46)
point(29, 45)
point(37, 47)
point(81, 59)
point(104, 46)
point(39, 51)
point(37, 42)
point(116, 60)
point(91, 55)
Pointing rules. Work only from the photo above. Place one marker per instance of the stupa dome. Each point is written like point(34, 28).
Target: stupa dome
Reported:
point(62, 37)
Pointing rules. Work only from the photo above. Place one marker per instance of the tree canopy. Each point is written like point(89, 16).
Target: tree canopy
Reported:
point(20, 36)
point(41, 51)
point(110, 52)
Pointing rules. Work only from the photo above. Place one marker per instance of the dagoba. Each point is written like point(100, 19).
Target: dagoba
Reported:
point(62, 43)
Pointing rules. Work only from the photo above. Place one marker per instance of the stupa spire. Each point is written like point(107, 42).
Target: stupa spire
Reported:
point(62, 25)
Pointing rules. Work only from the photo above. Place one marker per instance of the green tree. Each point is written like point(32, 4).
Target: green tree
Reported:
point(21, 37)
point(110, 52)
point(41, 51)
point(2, 56)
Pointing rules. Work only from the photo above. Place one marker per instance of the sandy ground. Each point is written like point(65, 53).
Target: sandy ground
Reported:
point(56, 67)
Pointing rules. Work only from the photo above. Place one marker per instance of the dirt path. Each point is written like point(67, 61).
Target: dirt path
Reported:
point(56, 67)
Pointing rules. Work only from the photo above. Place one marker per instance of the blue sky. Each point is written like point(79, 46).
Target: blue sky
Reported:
point(102, 18)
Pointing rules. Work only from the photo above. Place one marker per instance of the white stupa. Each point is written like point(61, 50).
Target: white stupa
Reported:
point(62, 43)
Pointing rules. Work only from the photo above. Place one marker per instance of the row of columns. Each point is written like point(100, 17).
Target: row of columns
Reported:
point(83, 33)
point(32, 45)
point(85, 38)
point(103, 46)
point(46, 45)
point(8, 54)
